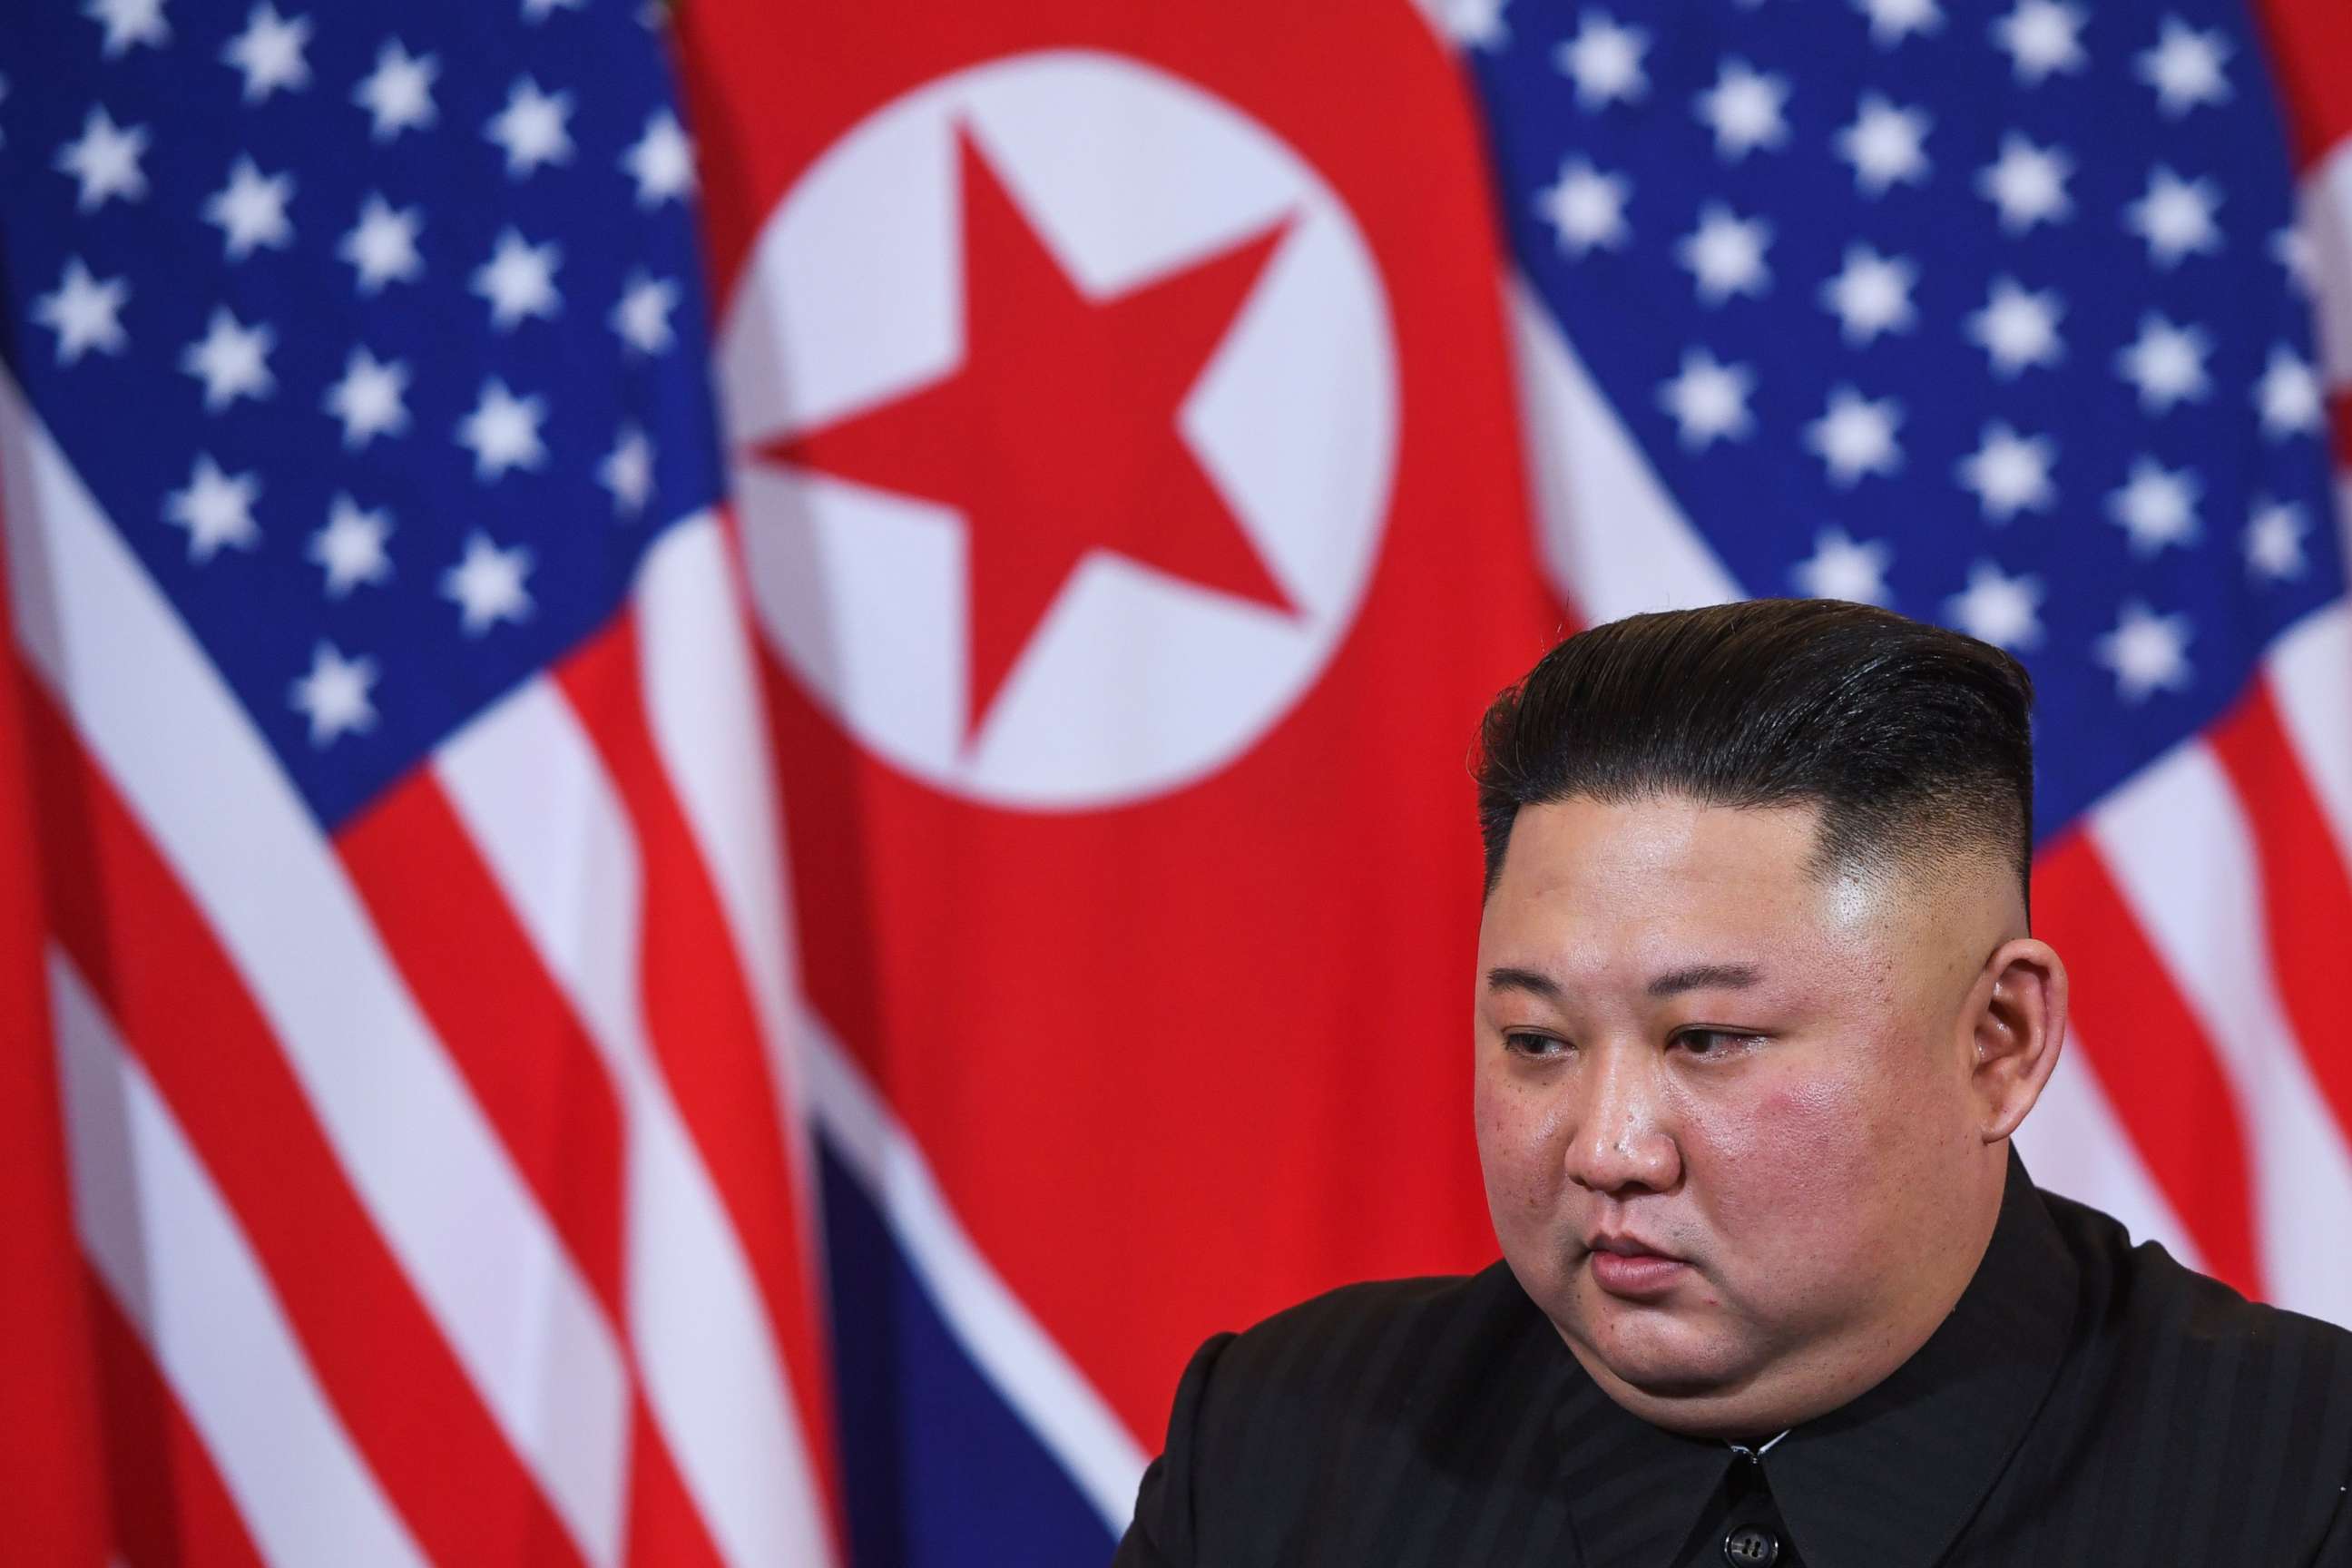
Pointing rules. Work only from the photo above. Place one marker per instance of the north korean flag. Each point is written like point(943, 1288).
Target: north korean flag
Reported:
point(1128, 479)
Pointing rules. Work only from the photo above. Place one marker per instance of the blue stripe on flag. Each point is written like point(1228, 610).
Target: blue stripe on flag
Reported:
point(940, 1471)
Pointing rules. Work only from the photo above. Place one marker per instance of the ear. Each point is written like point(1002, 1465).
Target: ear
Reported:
point(2018, 1027)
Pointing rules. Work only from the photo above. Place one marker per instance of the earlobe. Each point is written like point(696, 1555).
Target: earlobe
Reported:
point(2019, 1029)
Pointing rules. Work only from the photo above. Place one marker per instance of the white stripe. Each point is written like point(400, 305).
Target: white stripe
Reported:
point(164, 1240)
point(2310, 672)
point(527, 782)
point(2076, 1145)
point(426, 1164)
point(709, 727)
point(1037, 1379)
point(2175, 839)
point(2325, 216)
point(1613, 540)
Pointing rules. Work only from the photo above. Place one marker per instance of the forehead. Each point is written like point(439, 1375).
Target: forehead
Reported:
point(1572, 843)
point(1656, 873)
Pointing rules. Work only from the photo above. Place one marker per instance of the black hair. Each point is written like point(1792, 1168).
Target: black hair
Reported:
point(1913, 741)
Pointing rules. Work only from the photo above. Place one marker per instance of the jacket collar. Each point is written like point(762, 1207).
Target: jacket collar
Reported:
point(1886, 1481)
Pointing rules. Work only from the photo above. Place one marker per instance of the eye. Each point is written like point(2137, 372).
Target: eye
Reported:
point(1543, 1047)
point(1715, 1044)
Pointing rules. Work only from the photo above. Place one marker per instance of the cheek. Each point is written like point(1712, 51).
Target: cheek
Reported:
point(1791, 1167)
point(1519, 1129)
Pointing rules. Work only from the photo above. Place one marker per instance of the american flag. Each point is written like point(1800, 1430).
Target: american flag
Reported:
point(413, 947)
point(2002, 317)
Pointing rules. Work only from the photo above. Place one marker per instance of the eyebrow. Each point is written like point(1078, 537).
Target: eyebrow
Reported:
point(1703, 977)
point(1673, 983)
point(1504, 977)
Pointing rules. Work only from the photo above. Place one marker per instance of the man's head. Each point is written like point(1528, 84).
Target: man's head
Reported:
point(1756, 993)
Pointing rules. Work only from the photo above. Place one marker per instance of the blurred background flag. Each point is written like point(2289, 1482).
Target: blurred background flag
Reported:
point(454, 1114)
point(1122, 431)
point(405, 840)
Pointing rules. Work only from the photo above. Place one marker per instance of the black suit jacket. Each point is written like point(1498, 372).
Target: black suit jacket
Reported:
point(2086, 1403)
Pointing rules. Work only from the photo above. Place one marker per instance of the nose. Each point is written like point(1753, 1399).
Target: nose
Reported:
point(1621, 1141)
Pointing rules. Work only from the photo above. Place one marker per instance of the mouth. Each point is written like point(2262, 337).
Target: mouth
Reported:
point(1633, 1269)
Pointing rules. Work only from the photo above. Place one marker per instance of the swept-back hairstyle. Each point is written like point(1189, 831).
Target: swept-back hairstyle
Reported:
point(1913, 741)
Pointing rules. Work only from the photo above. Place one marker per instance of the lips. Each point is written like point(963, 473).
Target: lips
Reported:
point(1633, 1270)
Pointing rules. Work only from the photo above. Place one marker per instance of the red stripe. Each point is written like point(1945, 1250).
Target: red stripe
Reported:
point(2152, 1056)
point(2311, 60)
point(533, 1071)
point(2306, 892)
point(704, 1030)
point(171, 1507)
point(183, 1012)
point(51, 1506)
point(2339, 421)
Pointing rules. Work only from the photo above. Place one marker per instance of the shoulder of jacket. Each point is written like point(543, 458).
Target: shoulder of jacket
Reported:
point(1343, 1347)
point(2155, 1292)
point(1300, 1429)
point(1430, 1302)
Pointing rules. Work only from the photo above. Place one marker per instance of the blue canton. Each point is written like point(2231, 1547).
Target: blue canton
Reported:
point(376, 330)
point(1993, 315)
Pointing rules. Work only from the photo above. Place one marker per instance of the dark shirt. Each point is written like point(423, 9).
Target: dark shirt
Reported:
point(2087, 1402)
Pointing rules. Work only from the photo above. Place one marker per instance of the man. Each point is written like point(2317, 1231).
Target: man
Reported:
point(1758, 1008)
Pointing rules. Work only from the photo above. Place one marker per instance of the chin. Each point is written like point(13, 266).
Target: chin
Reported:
point(1659, 1351)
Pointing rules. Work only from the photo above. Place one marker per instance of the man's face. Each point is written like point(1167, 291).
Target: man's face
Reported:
point(1692, 1042)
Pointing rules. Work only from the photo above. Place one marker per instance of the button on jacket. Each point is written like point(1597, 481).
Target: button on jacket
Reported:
point(2086, 1403)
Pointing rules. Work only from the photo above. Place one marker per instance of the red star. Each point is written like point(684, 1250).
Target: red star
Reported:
point(1057, 434)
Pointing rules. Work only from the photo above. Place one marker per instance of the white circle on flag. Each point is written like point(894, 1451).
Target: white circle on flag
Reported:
point(1135, 682)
